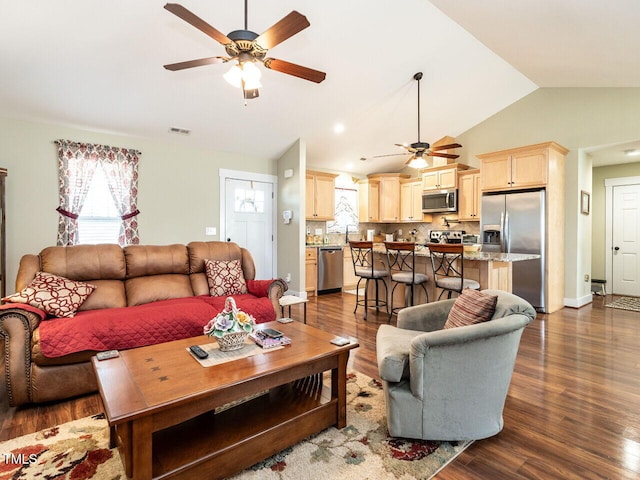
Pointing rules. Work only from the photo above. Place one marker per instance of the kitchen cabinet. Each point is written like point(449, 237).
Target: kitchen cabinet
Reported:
point(368, 201)
point(389, 202)
point(518, 168)
point(311, 270)
point(349, 278)
point(469, 195)
point(411, 200)
point(320, 196)
point(442, 177)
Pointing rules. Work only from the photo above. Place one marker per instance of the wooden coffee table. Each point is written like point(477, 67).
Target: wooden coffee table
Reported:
point(160, 404)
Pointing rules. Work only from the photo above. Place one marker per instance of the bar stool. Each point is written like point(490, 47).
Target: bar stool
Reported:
point(448, 268)
point(401, 261)
point(364, 267)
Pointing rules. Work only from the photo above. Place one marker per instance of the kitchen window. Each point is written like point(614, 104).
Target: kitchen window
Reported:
point(346, 201)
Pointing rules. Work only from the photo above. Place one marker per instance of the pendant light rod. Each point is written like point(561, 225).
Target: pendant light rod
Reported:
point(417, 77)
point(246, 15)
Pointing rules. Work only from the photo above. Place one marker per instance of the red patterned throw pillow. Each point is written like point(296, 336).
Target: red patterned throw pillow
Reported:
point(472, 306)
point(225, 277)
point(58, 296)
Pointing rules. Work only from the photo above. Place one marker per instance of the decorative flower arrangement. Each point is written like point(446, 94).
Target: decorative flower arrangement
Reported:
point(230, 327)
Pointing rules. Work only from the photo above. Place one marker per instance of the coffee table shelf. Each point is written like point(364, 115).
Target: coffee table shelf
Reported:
point(211, 444)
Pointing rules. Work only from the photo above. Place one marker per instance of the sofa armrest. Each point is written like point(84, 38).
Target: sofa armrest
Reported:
point(17, 326)
point(273, 289)
point(392, 352)
point(427, 317)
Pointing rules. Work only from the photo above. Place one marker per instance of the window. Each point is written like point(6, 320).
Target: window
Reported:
point(346, 198)
point(98, 190)
point(99, 220)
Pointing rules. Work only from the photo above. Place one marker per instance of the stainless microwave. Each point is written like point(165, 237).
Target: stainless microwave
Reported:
point(440, 201)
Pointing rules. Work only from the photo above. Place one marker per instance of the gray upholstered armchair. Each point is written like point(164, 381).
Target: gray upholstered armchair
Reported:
point(449, 384)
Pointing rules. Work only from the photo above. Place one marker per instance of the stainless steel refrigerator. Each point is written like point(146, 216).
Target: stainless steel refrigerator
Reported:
point(515, 223)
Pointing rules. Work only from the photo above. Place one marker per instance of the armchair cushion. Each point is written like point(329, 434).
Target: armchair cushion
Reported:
point(392, 352)
point(58, 296)
point(472, 306)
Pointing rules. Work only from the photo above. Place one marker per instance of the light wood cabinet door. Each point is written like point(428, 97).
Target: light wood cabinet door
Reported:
point(496, 172)
point(325, 198)
point(369, 200)
point(311, 271)
point(349, 278)
point(411, 201)
point(430, 180)
point(529, 169)
point(469, 197)
point(390, 199)
point(310, 197)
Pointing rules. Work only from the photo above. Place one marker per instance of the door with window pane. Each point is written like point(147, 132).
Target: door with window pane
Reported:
point(249, 220)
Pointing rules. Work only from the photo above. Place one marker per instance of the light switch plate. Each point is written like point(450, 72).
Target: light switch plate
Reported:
point(210, 230)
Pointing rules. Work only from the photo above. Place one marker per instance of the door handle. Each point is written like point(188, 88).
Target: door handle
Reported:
point(616, 248)
point(228, 239)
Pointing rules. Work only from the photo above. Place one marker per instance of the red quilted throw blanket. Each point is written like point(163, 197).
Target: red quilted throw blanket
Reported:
point(149, 324)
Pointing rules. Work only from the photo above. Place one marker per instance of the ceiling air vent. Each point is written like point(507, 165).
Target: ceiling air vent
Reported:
point(179, 131)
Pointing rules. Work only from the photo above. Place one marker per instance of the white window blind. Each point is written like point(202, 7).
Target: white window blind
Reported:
point(99, 221)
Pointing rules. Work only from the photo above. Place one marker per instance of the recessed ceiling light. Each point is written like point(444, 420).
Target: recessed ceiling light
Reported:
point(338, 128)
point(634, 152)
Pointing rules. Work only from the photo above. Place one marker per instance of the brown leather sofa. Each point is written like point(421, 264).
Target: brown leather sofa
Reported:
point(124, 277)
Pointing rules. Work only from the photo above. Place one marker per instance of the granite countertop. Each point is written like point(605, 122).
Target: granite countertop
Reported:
point(316, 245)
point(422, 251)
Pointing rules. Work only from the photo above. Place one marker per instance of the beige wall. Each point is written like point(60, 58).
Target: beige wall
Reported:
point(600, 174)
point(178, 186)
point(576, 118)
point(291, 197)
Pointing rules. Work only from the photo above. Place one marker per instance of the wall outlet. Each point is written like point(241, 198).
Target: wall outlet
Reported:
point(288, 277)
point(586, 277)
point(210, 231)
point(318, 231)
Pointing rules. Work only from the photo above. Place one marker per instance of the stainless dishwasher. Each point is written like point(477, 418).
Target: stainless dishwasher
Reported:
point(329, 269)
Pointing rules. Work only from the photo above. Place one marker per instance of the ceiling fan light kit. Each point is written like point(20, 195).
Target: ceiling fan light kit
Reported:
point(246, 48)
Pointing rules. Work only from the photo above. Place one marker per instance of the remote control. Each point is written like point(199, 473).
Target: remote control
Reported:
point(108, 354)
point(198, 352)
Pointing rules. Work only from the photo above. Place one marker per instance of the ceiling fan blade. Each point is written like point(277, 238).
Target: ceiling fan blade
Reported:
point(443, 155)
point(197, 22)
point(446, 147)
point(390, 155)
point(196, 63)
point(295, 70)
point(285, 28)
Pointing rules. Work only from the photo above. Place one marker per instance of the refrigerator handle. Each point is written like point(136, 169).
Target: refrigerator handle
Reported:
point(507, 233)
point(502, 232)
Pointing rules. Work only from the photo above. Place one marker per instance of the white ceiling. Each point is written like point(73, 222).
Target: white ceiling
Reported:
point(98, 65)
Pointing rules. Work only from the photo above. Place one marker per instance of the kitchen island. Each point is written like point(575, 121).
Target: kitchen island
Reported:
point(490, 269)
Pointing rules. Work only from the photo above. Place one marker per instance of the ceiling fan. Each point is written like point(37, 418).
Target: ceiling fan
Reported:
point(419, 150)
point(245, 48)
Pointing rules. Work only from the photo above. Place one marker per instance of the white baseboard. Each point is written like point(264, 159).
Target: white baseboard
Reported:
point(578, 302)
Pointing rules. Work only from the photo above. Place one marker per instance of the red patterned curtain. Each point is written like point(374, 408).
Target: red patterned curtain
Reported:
point(77, 163)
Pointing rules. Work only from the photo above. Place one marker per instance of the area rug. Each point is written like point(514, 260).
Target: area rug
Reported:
point(79, 450)
point(626, 303)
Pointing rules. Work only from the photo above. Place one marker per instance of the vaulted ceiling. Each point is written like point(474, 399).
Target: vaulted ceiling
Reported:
point(98, 65)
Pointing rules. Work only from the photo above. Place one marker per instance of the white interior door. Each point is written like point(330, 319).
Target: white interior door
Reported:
point(626, 240)
point(249, 221)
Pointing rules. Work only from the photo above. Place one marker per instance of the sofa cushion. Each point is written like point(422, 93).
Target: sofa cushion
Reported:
point(472, 306)
point(58, 296)
point(225, 277)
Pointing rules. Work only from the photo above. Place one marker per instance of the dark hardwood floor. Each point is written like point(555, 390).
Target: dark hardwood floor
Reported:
point(573, 410)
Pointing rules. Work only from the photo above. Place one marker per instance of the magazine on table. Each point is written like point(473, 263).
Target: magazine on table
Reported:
point(265, 341)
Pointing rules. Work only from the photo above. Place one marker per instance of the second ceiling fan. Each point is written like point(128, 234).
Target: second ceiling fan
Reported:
point(419, 150)
point(246, 48)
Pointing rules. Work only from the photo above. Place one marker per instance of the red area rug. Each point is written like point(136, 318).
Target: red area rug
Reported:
point(363, 450)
